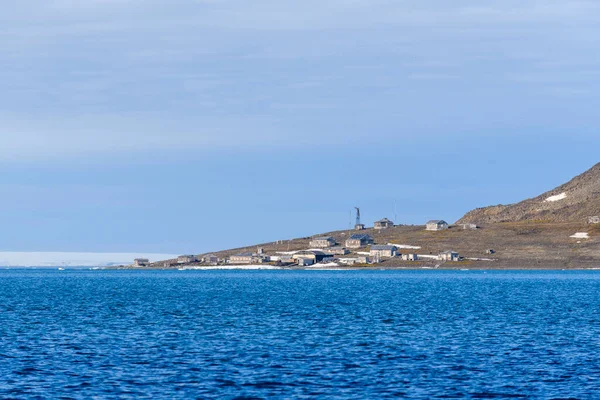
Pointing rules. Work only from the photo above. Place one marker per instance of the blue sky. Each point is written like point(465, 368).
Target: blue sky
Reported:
point(189, 126)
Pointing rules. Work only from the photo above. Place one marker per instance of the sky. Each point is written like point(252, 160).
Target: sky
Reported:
point(188, 126)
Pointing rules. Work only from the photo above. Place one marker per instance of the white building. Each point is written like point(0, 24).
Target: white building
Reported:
point(305, 261)
point(468, 226)
point(436, 225)
point(410, 257)
point(449, 255)
point(383, 251)
point(384, 224)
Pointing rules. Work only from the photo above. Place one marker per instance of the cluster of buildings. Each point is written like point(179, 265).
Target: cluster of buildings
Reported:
point(325, 249)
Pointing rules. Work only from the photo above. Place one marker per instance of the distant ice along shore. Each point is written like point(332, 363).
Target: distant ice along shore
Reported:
point(66, 259)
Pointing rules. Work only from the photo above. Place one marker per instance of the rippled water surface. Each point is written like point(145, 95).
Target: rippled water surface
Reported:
point(82, 334)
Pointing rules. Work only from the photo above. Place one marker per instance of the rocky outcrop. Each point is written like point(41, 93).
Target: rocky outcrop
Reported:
point(575, 201)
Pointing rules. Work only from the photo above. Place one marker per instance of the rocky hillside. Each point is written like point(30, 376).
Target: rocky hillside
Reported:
point(574, 201)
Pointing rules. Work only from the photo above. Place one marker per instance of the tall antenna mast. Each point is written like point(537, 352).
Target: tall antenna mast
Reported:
point(357, 215)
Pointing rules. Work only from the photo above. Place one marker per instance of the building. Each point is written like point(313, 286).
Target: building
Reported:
point(210, 259)
point(286, 259)
point(359, 227)
point(316, 256)
point(436, 225)
point(305, 261)
point(490, 251)
point(364, 259)
point(141, 262)
point(322, 242)
point(380, 251)
point(468, 226)
point(242, 258)
point(355, 260)
point(187, 259)
point(594, 220)
point(359, 240)
point(384, 224)
point(449, 255)
point(410, 257)
point(338, 251)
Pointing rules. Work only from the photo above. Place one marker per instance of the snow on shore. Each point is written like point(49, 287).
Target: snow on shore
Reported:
point(231, 267)
point(325, 265)
point(557, 197)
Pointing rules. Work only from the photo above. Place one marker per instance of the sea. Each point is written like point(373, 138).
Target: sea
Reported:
point(77, 334)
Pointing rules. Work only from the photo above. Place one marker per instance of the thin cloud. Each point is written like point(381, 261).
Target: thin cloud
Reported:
point(102, 76)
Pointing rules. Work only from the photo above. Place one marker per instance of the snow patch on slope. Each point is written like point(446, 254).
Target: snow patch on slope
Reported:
point(558, 197)
point(405, 246)
point(581, 235)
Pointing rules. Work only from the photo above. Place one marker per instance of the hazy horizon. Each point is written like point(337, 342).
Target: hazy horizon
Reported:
point(73, 259)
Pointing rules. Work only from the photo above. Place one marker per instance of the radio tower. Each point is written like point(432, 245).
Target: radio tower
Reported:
point(357, 216)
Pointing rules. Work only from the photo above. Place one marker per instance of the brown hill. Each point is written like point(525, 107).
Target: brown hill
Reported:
point(574, 201)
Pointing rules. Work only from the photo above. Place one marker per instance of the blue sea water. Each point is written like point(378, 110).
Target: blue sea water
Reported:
point(337, 334)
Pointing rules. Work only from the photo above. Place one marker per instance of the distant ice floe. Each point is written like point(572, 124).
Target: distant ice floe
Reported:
point(581, 235)
point(73, 259)
point(404, 246)
point(558, 197)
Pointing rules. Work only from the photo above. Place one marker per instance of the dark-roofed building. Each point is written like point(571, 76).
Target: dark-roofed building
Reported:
point(338, 251)
point(379, 251)
point(316, 256)
point(359, 240)
point(322, 242)
point(186, 259)
point(384, 224)
point(436, 225)
point(141, 262)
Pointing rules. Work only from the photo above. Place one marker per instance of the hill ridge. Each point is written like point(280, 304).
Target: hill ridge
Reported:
point(574, 201)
